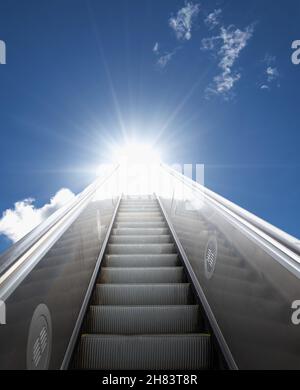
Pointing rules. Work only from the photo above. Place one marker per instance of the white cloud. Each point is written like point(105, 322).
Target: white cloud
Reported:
point(269, 59)
point(209, 43)
point(234, 41)
point(213, 19)
point(229, 45)
point(156, 48)
point(264, 86)
point(183, 22)
point(272, 74)
point(17, 222)
point(165, 59)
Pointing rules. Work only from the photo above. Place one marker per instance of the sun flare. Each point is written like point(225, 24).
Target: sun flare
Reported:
point(136, 153)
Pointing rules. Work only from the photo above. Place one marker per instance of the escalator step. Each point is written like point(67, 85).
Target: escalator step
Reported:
point(140, 231)
point(139, 239)
point(139, 206)
point(141, 249)
point(141, 275)
point(143, 314)
point(139, 294)
point(141, 225)
point(165, 352)
point(164, 260)
point(139, 209)
point(139, 218)
point(143, 319)
point(151, 201)
point(143, 214)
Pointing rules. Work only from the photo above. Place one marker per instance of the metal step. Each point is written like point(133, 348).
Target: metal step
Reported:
point(143, 314)
point(139, 239)
point(141, 249)
point(138, 208)
point(140, 231)
point(144, 207)
point(141, 225)
point(139, 214)
point(148, 352)
point(138, 201)
point(140, 205)
point(141, 275)
point(164, 260)
point(139, 294)
point(139, 218)
point(143, 319)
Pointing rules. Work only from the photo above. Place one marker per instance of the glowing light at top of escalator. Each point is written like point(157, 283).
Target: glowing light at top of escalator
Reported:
point(136, 153)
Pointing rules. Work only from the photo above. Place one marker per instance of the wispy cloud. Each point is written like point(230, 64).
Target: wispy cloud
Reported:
point(213, 19)
point(271, 73)
point(156, 48)
point(269, 59)
point(17, 222)
point(234, 41)
point(182, 23)
point(228, 46)
point(164, 59)
point(210, 43)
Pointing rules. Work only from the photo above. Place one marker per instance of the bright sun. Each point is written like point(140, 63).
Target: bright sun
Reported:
point(136, 153)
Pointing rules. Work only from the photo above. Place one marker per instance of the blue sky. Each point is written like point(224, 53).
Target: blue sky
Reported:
point(211, 82)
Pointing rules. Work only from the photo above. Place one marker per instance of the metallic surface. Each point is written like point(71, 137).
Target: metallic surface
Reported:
point(249, 292)
point(59, 280)
point(248, 271)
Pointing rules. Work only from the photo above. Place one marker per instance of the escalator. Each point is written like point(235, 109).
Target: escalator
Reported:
point(143, 313)
point(180, 280)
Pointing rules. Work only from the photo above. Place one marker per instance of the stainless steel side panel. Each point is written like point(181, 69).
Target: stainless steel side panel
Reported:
point(59, 281)
point(248, 289)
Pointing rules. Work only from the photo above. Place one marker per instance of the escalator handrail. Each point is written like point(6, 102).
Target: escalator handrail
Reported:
point(291, 244)
point(16, 251)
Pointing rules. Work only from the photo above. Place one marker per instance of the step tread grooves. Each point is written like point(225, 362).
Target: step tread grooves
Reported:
point(141, 261)
point(143, 314)
point(142, 294)
point(143, 319)
point(141, 275)
point(141, 248)
point(151, 352)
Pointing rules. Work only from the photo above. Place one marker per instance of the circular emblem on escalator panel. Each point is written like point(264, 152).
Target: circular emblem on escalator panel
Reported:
point(210, 258)
point(39, 339)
